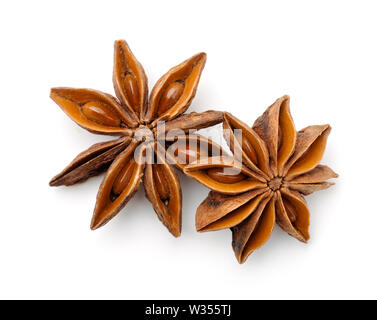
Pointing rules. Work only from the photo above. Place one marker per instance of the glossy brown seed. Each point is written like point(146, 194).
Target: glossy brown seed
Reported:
point(160, 181)
point(132, 91)
point(249, 150)
point(289, 208)
point(124, 177)
point(231, 176)
point(130, 82)
point(101, 114)
point(170, 96)
point(185, 155)
point(174, 91)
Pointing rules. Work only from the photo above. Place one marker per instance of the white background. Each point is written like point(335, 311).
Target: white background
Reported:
point(322, 53)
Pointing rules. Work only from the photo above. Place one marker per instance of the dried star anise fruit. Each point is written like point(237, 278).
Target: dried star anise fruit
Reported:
point(278, 167)
point(135, 118)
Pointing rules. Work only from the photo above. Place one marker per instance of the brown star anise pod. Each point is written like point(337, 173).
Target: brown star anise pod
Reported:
point(279, 166)
point(134, 118)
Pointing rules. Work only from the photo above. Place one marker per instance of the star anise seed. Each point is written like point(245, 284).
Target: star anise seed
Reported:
point(278, 167)
point(134, 118)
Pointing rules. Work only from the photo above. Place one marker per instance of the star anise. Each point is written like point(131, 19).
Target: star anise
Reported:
point(279, 166)
point(134, 118)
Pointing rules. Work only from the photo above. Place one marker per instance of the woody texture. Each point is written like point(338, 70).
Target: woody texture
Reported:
point(266, 185)
point(133, 116)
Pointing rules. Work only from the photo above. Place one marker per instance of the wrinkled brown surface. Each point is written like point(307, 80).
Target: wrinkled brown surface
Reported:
point(195, 121)
point(255, 230)
point(217, 208)
point(90, 162)
point(279, 166)
point(126, 116)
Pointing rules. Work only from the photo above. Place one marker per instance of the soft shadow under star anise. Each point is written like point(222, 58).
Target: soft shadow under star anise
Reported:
point(278, 167)
point(134, 118)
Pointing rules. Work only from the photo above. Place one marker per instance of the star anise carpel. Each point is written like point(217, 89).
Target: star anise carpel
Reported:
point(134, 117)
point(277, 166)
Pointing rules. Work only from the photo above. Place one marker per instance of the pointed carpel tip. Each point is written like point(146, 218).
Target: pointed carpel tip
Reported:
point(200, 58)
point(207, 228)
point(243, 258)
point(120, 43)
point(176, 233)
point(57, 91)
point(326, 130)
point(94, 225)
point(199, 227)
point(240, 259)
point(227, 115)
point(325, 126)
point(202, 55)
point(279, 101)
point(228, 119)
point(53, 91)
